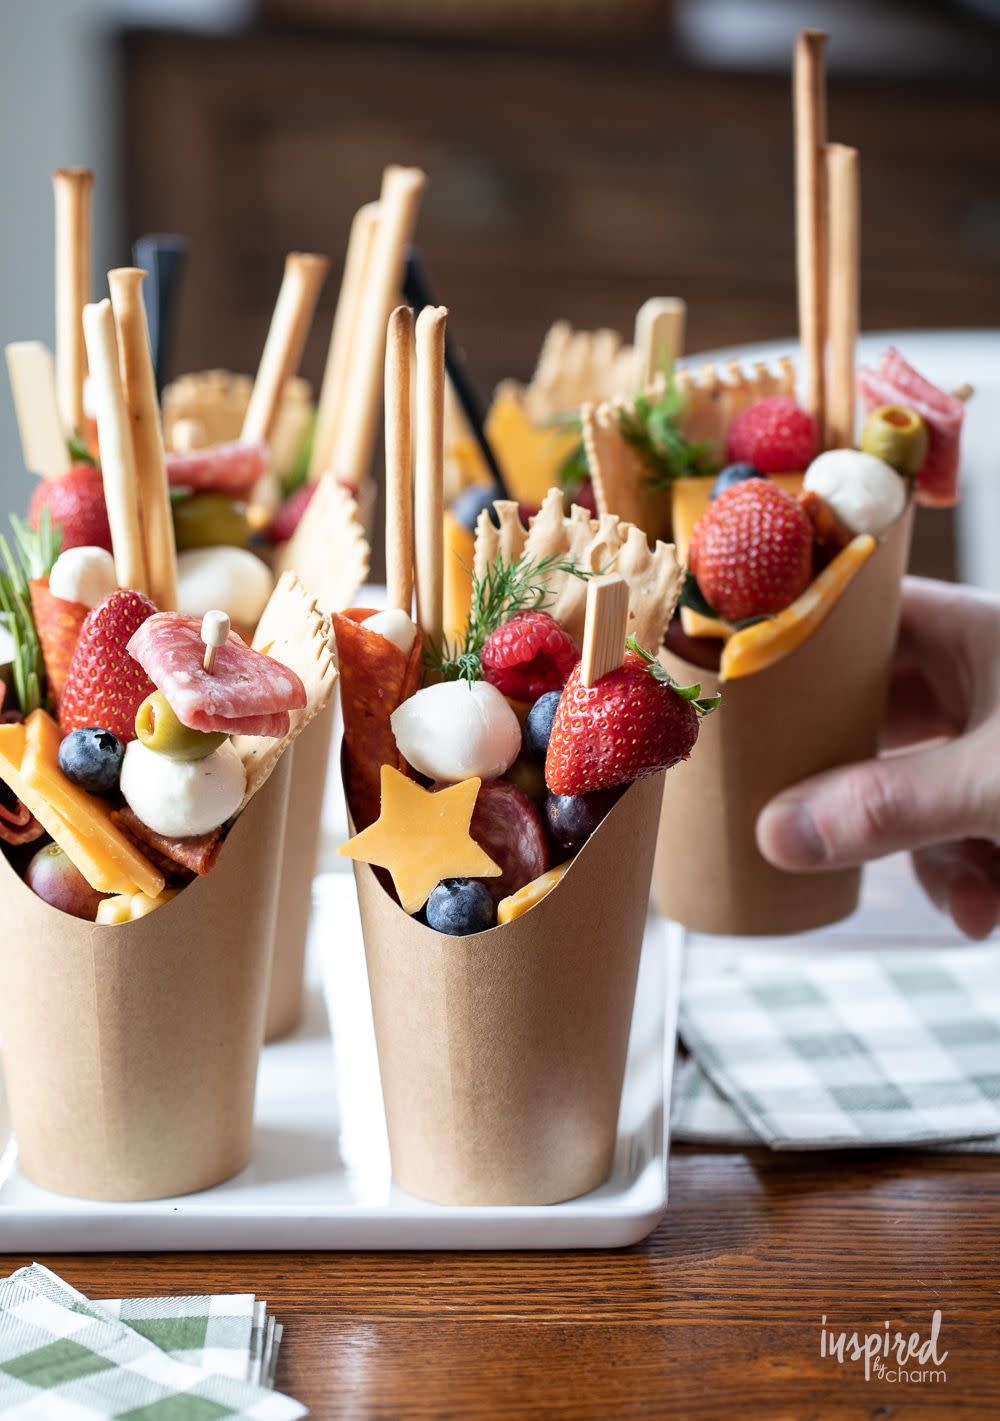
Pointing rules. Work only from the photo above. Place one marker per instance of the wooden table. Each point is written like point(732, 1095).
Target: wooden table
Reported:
point(716, 1315)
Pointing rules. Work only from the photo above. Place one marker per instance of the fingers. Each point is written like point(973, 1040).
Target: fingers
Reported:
point(915, 714)
point(963, 879)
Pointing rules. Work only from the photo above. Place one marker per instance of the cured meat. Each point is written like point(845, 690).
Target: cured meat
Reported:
point(192, 855)
point(892, 381)
point(17, 824)
point(244, 694)
point(232, 469)
point(509, 826)
point(58, 624)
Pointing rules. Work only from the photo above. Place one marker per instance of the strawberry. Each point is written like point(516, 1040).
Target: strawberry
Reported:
point(289, 515)
point(774, 435)
point(104, 686)
point(751, 551)
point(528, 655)
point(76, 502)
point(632, 722)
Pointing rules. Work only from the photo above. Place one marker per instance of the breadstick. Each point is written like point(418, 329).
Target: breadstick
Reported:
point(844, 292)
point(659, 336)
point(398, 461)
point(810, 215)
point(605, 627)
point(33, 385)
point(121, 489)
point(139, 382)
point(293, 312)
point(398, 204)
point(428, 481)
point(329, 411)
point(72, 198)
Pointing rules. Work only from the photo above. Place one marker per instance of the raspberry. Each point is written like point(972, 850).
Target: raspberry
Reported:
point(528, 655)
point(751, 551)
point(774, 435)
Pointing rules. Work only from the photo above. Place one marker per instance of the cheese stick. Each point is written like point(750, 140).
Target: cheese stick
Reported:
point(293, 311)
point(139, 382)
point(428, 482)
point(72, 198)
point(121, 489)
point(33, 385)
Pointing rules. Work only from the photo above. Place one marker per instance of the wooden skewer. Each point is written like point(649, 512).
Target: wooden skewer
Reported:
point(293, 311)
point(964, 392)
point(605, 627)
point(398, 204)
point(844, 290)
point(121, 489)
point(429, 472)
point(39, 423)
point(659, 336)
point(398, 461)
point(810, 216)
point(72, 198)
point(330, 408)
point(139, 384)
point(214, 633)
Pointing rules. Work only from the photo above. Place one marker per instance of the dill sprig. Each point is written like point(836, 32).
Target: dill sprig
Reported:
point(32, 556)
point(651, 425)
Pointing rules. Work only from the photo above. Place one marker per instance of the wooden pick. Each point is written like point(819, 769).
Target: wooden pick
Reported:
point(810, 215)
point(39, 423)
point(121, 488)
point(659, 336)
point(605, 627)
point(398, 461)
point(139, 385)
point(72, 187)
point(844, 291)
point(214, 633)
point(330, 408)
point(293, 311)
point(429, 472)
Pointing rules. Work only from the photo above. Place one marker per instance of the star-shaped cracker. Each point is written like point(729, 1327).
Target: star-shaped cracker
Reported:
point(422, 837)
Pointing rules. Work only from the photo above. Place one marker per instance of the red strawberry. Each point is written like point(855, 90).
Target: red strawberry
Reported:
point(774, 435)
point(632, 722)
point(289, 515)
point(105, 687)
point(76, 503)
point(751, 551)
point(528, 655)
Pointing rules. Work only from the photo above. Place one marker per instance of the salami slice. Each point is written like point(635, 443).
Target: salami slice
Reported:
point(17, 824)
point(192, 855)
point(892, 381)
point(244, 694)
point(231, 469)
point(509, 826)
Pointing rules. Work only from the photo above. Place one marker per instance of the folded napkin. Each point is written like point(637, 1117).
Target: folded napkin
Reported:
point(64, 1358)
point(845, 1049)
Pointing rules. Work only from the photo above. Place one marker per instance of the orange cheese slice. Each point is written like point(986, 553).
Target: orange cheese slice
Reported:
point(510, 908)
point(530, 455)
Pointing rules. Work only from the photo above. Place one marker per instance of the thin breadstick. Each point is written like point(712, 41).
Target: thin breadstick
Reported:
point(429, 472)
point(659, 336)
point(329, 411)
point(72, 199)
point(398, 203)
point(39, 423)
point(605, 627)
point(398, 461)
point(810, 216)
point(844, 291)
point(139, 385)
point(293, 311)
point(121, 489)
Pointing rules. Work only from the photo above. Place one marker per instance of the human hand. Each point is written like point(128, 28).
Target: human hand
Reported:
point(937, 793)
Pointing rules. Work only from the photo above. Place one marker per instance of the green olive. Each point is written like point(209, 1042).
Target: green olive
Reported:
point(897, 436)
point(210, 520)
point(158, 728)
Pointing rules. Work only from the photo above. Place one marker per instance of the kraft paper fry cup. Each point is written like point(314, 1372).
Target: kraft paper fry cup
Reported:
point(502, 1054)
point(130, 1052)
point(818, 708)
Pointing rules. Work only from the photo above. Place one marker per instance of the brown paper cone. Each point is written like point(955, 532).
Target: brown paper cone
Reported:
point(130, 1053)
point(286, 994)
point(820, 707)
point(502, 1054)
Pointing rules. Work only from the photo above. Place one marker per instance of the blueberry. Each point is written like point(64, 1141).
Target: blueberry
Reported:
point(471, 502)
point(92, 759)
point(734, 474)
point(538, 725)
point(461, 905)
point(573, 818)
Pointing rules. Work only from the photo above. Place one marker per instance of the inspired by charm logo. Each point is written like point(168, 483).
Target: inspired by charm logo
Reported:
point(889, 1356)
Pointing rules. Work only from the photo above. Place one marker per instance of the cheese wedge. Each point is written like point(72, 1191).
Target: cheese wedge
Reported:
point(518, 903)
point(127, 907)
point(530, 455)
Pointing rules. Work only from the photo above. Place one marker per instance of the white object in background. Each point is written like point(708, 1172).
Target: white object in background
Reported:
point(33, 385)
point(85, 575)
point(232, 579)
point(865, 493)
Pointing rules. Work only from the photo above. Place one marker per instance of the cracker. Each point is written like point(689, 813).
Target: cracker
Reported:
point(328, 552)
point(618, 472)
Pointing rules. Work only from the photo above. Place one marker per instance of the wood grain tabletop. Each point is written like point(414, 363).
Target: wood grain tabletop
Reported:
point(716, 1315)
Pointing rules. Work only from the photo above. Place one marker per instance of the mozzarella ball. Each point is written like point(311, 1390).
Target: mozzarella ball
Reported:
point(455, 730)
point(84, 575)
point(228, 578)
point(866, 494)
point(395, 626)
point(181, 798)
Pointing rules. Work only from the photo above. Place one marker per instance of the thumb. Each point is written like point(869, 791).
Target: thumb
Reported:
point(845, 817)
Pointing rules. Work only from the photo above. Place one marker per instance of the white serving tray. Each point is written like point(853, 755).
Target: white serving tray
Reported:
point(320, 1177)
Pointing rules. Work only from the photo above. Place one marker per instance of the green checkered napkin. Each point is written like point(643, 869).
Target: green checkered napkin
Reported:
point(63, 1358)
point(227, 1334)
point(847, 1049)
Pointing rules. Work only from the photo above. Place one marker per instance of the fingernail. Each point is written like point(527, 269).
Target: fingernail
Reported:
point(787, 835)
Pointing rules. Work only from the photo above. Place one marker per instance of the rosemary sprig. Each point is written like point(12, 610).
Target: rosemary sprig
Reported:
point(704, 705)
point(651, 426)
point(32, 556)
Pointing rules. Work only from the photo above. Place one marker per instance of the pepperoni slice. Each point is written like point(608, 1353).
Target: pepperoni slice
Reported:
point(232, 469)
point(892, 381)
